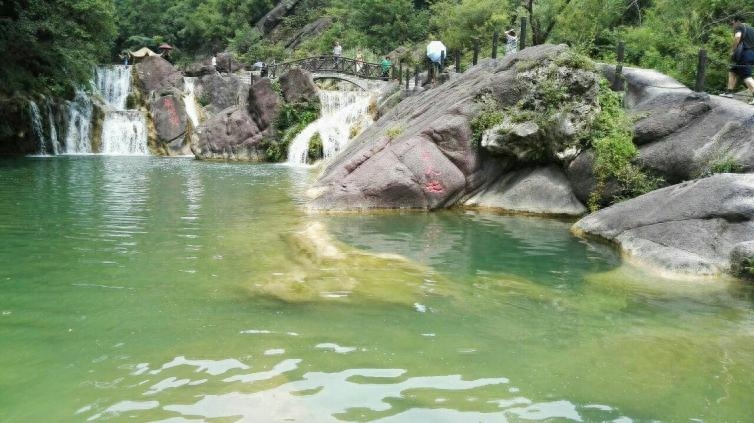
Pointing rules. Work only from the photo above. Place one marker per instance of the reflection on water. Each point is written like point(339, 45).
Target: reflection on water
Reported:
point(147, 289)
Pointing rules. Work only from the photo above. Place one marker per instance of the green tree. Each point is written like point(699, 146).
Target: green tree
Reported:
point(52, 45)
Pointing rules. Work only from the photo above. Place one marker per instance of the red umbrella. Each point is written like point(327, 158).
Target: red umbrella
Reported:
point(165, 46)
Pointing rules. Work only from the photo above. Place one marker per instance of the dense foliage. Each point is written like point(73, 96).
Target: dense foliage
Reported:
point(51, 45)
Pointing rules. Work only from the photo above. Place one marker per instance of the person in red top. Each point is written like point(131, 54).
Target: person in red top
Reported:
point(742, 67)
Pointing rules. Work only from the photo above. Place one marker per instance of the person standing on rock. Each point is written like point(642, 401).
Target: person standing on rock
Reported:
point(511, 42)
point(742, 65)
point(337, 52)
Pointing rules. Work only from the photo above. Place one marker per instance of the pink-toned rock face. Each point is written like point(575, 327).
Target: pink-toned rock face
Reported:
point(169, 115)
point(420, 154)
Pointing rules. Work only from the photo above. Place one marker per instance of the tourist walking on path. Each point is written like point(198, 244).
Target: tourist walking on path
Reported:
point(742, 54)
point(337, 52)
point(511, 42)
point(359, 61)
point(385, 66)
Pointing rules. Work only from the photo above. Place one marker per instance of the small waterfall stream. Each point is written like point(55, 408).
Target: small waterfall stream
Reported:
point(124, 132)
point(36, 127)
point(52, 129)
point(79, 118)
point(189, 99)
point(113, 83)
point(342, 111)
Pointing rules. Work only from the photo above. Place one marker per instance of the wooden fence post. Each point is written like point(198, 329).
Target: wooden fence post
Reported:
point(620, 53)
point(495, 38)
point(522, 35)
point(476, 51)
point(458, 60)
point(416, 78)
point(701, 71)
point(408, 78)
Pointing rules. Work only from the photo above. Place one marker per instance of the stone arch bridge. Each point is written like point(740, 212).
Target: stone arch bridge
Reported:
point(364, 75)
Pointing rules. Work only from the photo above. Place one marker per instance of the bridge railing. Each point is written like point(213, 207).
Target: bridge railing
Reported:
point(335, 64)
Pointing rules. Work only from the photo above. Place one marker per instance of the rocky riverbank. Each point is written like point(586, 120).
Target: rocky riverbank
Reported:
point(531, 152)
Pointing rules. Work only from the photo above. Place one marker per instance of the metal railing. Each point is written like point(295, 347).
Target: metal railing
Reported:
point(321, 64)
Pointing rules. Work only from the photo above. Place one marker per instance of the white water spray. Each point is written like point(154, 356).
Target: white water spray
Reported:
point(79, 118)
point(53, 131)
point(124, 132)
point(113, 82)
point(36, 127)
point(189, 99)
point(342, 111)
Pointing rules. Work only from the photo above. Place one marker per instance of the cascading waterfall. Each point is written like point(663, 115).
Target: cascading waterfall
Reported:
point(79, 118)
point(53, 131)
point(36, 127)
point(113, 83)
point(341, 111)
point(189, 99)
point(124, 132)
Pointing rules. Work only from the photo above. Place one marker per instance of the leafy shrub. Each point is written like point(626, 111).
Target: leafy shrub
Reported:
point(490, 116)
point(394, 132)
point(612, 140)
point(293, 118)
point(316, 150)
point(575, 60)
point(723, 163)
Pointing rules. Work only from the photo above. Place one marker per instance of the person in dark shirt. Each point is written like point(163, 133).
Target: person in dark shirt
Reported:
point(742, 66)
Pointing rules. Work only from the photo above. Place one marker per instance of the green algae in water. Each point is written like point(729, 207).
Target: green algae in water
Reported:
point(139, 289)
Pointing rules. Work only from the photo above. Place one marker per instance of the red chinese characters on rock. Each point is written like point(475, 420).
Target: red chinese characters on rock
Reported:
point(169, 105)
point(432, 185)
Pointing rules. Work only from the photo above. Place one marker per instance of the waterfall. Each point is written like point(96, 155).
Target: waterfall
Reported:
point(189, 99)
point(342, 111)
point(53, 131)
point(79, 118)
point(36, 126)
point(124, 132)
point(113, 82)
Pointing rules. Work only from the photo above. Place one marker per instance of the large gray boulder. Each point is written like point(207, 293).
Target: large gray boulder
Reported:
point(309, 31)
point(230, 135)
point(298, 86)
point(543, 190)
point(274, 16)
point(683, 134)
point(217, 92)
point(420, 154)
point(264, 104)
point(169, 116)
point(157, 75)
point(691, 227)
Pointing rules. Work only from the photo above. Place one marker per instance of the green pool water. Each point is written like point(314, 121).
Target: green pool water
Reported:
point(148, 289)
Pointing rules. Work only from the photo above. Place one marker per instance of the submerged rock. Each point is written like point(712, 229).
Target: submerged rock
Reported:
point(689, 228)
point(327, 270)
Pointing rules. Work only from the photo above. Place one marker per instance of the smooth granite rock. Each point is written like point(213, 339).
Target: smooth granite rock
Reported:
point(690, 228)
